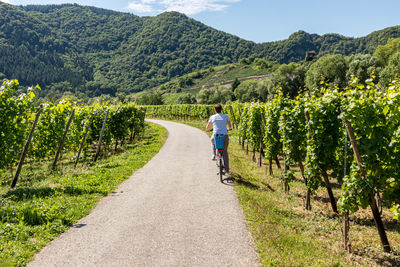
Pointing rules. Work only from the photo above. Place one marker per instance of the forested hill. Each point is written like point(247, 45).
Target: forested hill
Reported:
point(92, 51)
point(295, 47)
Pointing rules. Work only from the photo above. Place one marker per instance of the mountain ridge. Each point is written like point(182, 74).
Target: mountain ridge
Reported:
point(92, 51)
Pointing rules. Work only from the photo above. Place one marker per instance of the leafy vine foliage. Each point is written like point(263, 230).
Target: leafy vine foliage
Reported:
point(17, 114)
point(14, 119)
point(375, 118)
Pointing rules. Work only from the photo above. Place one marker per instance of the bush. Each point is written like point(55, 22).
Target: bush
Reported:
point(150, 99)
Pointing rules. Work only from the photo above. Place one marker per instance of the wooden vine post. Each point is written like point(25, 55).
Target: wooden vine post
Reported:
point(286, 167)
point(233, 117)
point(346, 229)
point(285, 183)
point(101, 137)
point(324, 174)
point(346, 220)
point(264, 122)
point(61, 144)
point(25, 150)
point(262, 125)
point(372, 201)
point(144, 117)
point(240, 137)
point(83, 141)
point(308, 194)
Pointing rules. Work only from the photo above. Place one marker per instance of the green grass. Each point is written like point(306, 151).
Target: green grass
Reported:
point(285, 234)
point(43, 206)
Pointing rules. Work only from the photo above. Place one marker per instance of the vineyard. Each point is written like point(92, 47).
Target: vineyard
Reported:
point(344, 136)
point(60, 129)
point(58, 161)
point(350, 136)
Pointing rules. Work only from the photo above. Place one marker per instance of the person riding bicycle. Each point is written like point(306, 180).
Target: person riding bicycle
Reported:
point(220, 122)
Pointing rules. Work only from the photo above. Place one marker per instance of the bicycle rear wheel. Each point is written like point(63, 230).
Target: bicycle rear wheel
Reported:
point(221, 170)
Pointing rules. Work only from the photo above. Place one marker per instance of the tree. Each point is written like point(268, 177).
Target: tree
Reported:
point(290, 78)
point(205, 95)
point(252, 90)
point(330, 69)
point(150, 99)
point(244, 61)
point(234, 85)
point(391, 71)
point(261, 63)
point(214, 96)
point(384, 52)
point(361, 66)
point(186, 99)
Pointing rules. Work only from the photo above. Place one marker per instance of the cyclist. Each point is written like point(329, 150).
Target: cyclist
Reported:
point(220, 122)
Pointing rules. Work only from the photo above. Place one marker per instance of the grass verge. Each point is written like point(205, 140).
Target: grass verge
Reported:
point(285, 234)
point(43, 206)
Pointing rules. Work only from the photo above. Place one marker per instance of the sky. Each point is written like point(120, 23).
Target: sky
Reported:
point(264, 20)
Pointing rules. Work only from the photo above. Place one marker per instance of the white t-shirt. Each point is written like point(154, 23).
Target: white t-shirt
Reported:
point(219, 121)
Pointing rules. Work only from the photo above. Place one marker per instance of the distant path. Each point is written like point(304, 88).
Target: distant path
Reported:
point(172, 212)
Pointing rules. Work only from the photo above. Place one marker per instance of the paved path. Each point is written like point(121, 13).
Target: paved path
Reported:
point(172, 212)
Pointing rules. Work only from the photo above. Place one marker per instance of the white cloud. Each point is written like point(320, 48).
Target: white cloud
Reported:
point(148, 1)
point(189, 7)
point(6, 1)
point(141, 7)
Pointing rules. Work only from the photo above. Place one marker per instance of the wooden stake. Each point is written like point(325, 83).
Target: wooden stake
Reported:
point(270, 166)
point(286, 168)
point(262, 126)
point(61, 144)
point(324, 174)
point(277, 162)
point(101, 137)
point(233, 117)
point(308, 194)
point(346, 229)
point(330, 192)
point(25, 150)
point(240, 115)
point(372, 201)
point(346, 221)
point(83, 141)
point(263, 119)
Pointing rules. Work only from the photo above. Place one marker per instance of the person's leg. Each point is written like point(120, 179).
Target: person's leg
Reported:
point(226, 156)
point(213, 147)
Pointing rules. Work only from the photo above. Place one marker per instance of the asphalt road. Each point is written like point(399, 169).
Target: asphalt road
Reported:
point(172, 212)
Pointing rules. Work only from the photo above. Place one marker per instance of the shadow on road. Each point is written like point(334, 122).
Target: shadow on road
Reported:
point(228, 181)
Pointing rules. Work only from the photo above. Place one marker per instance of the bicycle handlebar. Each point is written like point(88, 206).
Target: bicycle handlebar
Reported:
point(212, 130)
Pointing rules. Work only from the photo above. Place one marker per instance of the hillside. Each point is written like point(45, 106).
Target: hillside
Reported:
point(214, 77)
point(91, 51)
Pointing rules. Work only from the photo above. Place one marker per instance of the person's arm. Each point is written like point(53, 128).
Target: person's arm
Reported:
point(229, 125)
point(208, 127)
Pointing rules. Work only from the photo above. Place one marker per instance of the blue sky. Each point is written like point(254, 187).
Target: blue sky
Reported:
point(264, 20)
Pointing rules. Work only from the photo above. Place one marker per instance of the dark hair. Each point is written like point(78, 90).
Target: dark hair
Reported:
point(218, 108)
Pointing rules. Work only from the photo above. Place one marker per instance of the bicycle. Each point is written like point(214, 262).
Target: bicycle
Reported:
point(219, 147)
